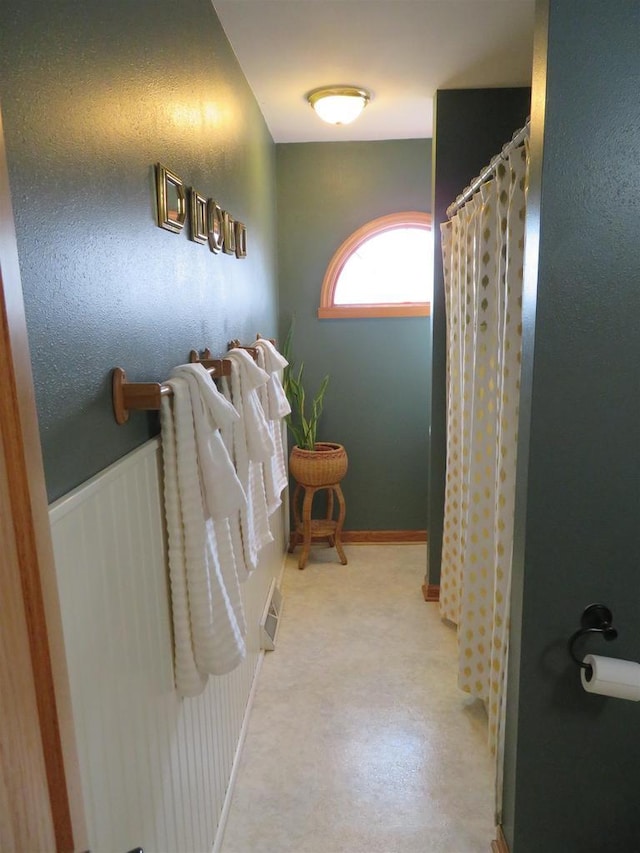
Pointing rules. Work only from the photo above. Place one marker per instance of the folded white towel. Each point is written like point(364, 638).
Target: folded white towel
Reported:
point(223, 492)
point(273, 358)
point(276, 477)
point(189, 681)
point(231, 560)
point(221, 410)
point(222, 489)
point(246, 378)
point(279, 464)
point(259, 505)
point(207, 617)
point(243, 565)
point(273, 362)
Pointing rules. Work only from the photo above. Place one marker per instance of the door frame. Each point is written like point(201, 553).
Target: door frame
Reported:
point(37, 718)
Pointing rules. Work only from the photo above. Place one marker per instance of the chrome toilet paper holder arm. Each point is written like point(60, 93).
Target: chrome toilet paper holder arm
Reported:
point(595, 619)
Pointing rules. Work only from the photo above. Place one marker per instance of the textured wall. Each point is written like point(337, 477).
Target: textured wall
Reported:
point(573, 767)
point(471, 126)
point(93, 94)
point(378, 399)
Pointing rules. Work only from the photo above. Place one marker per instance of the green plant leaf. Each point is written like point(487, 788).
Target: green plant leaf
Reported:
point(303, 428)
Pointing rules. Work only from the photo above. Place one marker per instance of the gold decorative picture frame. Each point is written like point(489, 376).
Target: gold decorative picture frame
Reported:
point(229, 231)
point(208, 223)
point(198, 217)
point(171, 206)
point(215, 226)
point(241, 239)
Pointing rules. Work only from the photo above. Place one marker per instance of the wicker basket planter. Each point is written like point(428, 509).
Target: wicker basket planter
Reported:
point(323, 466)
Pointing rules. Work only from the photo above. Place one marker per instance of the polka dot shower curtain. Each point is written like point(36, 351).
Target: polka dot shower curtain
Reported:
point(483, 253)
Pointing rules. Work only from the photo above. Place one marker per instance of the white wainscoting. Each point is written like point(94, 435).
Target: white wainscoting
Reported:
point(155, 768)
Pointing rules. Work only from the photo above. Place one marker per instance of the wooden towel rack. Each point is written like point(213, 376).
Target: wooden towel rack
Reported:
point(205, 358)
point(147, 395)
point(253, 352)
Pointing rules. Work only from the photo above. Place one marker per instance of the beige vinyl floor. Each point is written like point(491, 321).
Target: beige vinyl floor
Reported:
point(359, 740)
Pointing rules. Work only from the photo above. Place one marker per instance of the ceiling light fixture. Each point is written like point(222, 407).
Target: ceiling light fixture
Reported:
point(338, 104)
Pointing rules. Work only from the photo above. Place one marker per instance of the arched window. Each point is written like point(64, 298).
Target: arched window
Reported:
point(384, 269)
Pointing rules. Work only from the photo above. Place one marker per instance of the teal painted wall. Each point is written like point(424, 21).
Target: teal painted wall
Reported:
point(471, 126)
point(93, 94)
point(573, 760)
point(378, 399)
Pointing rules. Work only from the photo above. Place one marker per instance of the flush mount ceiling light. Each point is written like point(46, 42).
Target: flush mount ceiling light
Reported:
point(338, 104)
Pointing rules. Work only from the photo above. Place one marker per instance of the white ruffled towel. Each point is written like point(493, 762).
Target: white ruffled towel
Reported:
point(224, 494)
point(276, 406)
point(252, 446)
point(201, 491)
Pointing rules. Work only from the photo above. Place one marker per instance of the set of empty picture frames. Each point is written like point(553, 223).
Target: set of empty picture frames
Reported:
point(208, 223)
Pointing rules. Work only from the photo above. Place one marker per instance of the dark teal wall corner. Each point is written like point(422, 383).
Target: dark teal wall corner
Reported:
point(377, 403)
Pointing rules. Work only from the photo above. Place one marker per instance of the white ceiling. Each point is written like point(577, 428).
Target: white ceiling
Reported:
point(401, 50)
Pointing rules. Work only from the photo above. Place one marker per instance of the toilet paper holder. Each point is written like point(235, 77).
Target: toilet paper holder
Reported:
point(595, 619)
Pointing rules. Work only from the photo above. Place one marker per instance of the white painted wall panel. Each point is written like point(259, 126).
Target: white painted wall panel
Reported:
point(155, 768)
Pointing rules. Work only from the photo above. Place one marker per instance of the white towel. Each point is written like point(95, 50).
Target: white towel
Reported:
point(232, 568)
point(252, 445)
point(189, 681)
point(243, 564)
point(222, 489)
point(273, 362)
point(272, 396)
point(247, 378)
point(208, 629)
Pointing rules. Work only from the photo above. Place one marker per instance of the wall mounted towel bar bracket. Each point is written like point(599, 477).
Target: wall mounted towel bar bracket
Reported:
point(146, 396)
point(206, 360)
point(253, 352)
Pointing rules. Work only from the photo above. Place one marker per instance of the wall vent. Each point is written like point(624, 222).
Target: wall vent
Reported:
point(270, 621)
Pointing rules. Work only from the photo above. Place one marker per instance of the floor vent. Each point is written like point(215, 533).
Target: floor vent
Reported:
point(270, 621)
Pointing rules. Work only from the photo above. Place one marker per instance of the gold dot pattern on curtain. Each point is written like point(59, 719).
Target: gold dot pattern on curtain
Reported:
point(483, 255)
point(507, 441)
point(451, 532)
point(482, 379)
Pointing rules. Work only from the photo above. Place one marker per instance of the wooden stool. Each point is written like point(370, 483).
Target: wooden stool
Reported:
point(305, 528)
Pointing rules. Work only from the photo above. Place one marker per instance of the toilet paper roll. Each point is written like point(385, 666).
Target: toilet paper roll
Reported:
point(612, 677)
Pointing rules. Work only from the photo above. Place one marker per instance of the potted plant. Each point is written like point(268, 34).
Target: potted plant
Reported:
point(311, 462)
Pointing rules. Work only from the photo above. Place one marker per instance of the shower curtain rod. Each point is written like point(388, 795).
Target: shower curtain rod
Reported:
point(518, 137)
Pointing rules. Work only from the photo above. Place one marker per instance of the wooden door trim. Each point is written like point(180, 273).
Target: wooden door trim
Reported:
point(20, 444)
point(500, 844)
point(382, 537)
point(431, 591)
